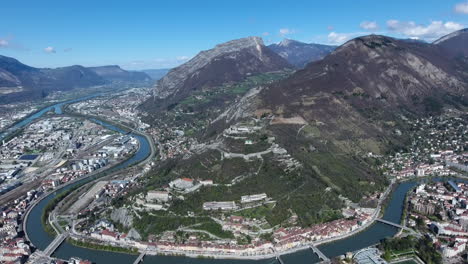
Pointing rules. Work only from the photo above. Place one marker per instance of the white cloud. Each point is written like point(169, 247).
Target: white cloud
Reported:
point(369, 25)
point(461, 8)
point(286, 31)
point(339, 38)
point(434, 30)
point(182, 58)
point(4, 43)
point(266, 34)
point(50, 50)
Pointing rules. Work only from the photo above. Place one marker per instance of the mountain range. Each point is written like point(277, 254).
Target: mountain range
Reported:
point(229, 62)
point(20, 82)
point(115, 73)
point(300, 54)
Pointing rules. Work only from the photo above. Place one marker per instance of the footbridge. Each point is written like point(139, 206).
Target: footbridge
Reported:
point(398, 226)
point(393, 224)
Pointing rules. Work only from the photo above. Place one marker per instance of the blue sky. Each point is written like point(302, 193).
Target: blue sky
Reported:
point(157, 34)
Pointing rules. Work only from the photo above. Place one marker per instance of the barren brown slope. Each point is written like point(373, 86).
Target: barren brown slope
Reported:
point(228, 62)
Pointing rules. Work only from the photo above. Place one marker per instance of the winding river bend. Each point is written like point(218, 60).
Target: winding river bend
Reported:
point(40, 238)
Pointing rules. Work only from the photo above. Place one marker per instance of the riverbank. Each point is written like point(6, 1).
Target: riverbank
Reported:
point(250, 253)
point(100, 247)
point(125, 128)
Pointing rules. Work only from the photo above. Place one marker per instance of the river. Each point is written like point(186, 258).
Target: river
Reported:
point(41, 239)
point(57, 108)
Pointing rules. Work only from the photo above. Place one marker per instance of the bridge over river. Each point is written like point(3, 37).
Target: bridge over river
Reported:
point(397, 225)
point(55, 244)
point(323, 258)
point(140, 258)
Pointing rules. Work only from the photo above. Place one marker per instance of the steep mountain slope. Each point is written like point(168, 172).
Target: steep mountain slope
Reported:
point(331, 114)
point(21, 82)
point(232, 61)
point(115, 73)
point(364, 85)
point(374, 69)
point(455, 43)
point(300, 54)
point(13, 73)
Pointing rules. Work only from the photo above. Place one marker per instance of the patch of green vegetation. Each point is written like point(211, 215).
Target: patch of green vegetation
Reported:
point(51, 205)
point(156, 224)
point(208, 165)
point(110, 248)
point(311, 131)
point(256, 212)
point(423, 247)
point(295, 192)
point(407, 262)
point(63, 223)
point(214, 228)
point(258, 144)
point(227, 91)
point(267, 236)
point(192, 100)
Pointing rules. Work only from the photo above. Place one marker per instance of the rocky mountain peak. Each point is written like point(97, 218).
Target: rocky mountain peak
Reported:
point(380, 69)
point(229, 61)
point(374, 42)
point(287, 42)
point(239, 44)
point(299, 53)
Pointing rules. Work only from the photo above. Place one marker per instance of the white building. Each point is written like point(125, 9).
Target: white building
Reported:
point(162, 196)
point(253, 198)
point(224, 206)
point(457, 249)
point(182, 184)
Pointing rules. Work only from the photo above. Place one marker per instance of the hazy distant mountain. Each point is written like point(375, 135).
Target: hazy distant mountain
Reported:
point(232, 61)
point(300, 54)
point(21, 82)
point(115, 73)
point(156, 74)
point(410, 40)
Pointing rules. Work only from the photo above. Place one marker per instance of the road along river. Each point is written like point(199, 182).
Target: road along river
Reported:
point(40, 238)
